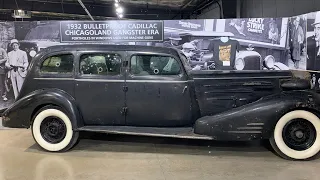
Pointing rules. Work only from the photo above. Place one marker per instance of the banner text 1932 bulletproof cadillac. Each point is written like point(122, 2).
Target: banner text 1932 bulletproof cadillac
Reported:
point(81, 31)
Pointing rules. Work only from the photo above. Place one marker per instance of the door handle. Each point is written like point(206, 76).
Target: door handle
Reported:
point(184, 89)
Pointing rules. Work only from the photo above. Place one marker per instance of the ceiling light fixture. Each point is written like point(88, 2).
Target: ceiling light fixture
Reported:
point(119, 9)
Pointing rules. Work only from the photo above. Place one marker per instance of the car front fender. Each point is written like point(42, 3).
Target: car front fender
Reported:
point(258, 119)
point(280, 66)
point(20, 114)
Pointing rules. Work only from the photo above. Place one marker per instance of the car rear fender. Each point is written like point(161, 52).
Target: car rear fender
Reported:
point(258, 119)
point(20, 114)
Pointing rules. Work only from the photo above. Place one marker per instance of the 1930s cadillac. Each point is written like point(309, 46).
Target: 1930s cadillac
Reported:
point(143, 90)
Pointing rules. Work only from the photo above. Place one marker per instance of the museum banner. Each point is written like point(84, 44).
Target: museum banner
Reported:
point(191, 25)
point(99, 31)
point(266, 30)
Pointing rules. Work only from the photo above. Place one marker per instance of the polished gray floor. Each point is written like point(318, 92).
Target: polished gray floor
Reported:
point(99, 156)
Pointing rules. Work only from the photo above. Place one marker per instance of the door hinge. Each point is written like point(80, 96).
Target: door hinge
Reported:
point(125, 88)
point(124, 111)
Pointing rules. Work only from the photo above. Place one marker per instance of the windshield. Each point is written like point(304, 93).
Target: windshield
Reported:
point(44, 33)
point(203, 44)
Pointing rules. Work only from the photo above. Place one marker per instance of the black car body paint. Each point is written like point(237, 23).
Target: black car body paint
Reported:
point(225, 105)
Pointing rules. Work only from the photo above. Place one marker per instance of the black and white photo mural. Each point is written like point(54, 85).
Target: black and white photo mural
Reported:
point(262, 41)
point(313, 41)
point(207, 44)
point(297, 42)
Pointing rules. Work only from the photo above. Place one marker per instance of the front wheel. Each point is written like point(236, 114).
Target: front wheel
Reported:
point(297, 135)
point(52, 130)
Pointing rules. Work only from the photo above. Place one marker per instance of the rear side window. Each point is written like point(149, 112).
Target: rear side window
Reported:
point(100, 64)
point(142, 65)
point(58, 64)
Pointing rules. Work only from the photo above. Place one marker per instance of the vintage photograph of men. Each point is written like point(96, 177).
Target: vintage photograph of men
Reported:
point(313, 41)
point(297, 42)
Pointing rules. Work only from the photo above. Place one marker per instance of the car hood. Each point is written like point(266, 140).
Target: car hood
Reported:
point(243, 54)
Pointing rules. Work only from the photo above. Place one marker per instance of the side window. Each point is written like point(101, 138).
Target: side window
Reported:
point(58, 64)
point(100, 64)
point(154, 65)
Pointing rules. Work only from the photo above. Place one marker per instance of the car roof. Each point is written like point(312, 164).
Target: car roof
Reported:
point(108, 47)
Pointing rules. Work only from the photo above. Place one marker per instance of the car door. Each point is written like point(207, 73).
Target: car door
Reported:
point(99, 87)
point(157, 91)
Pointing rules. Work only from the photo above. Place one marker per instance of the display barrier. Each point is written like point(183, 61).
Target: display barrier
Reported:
point(260, 43)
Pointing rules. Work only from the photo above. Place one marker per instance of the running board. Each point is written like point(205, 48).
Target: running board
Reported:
point(181, 132)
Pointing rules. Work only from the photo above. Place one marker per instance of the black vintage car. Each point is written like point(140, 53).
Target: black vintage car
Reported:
point(143, 90)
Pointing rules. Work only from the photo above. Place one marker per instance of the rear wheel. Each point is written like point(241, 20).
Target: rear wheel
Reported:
point(297, 135)
point(52, 130)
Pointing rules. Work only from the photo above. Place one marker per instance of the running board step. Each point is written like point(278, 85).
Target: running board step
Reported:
point(181, 132)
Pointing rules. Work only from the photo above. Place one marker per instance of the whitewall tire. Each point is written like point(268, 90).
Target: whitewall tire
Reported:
point(296, 135)
point(52, 130)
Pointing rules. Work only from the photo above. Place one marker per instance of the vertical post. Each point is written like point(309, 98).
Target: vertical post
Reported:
point(238, 8)
point(219, 2)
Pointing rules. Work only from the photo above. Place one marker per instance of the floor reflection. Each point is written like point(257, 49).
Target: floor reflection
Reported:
point(61, 167)
point(100, 156)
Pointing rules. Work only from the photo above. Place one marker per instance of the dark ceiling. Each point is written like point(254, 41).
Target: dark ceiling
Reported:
point(158, 3)
point(104, 9)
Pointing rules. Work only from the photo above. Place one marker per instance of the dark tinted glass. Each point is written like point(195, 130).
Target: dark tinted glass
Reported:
point(58, 64)
point(154, 65)
point(100, 64)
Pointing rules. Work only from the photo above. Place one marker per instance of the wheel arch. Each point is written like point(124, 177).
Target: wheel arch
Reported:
point(41, 106)
point(29, 105)
point(273, 125)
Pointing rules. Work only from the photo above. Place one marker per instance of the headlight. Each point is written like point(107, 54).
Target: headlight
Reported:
point(269, 61)
point(32, 53)
point(239, 64)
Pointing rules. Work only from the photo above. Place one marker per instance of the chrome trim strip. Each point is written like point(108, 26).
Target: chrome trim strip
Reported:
point(246, 132)
point(60, 79)
point(131, 81)
point(156, 81)
point(100, 80)
point(255, 124)
point(268, 77)
point(113, 80)
point(249, 128)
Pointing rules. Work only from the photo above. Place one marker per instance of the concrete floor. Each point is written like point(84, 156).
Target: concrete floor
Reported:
point(115, 157)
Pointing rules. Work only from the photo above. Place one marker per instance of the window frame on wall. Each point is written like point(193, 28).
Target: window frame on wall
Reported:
point(99, 76)
point(177, 59)
point(56, 74)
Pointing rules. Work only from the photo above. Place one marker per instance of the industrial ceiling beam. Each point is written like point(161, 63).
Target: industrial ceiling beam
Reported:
point(187, 4)
point(107, 4)
point(59, 15)
point(85, 9)
point(95, 10)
